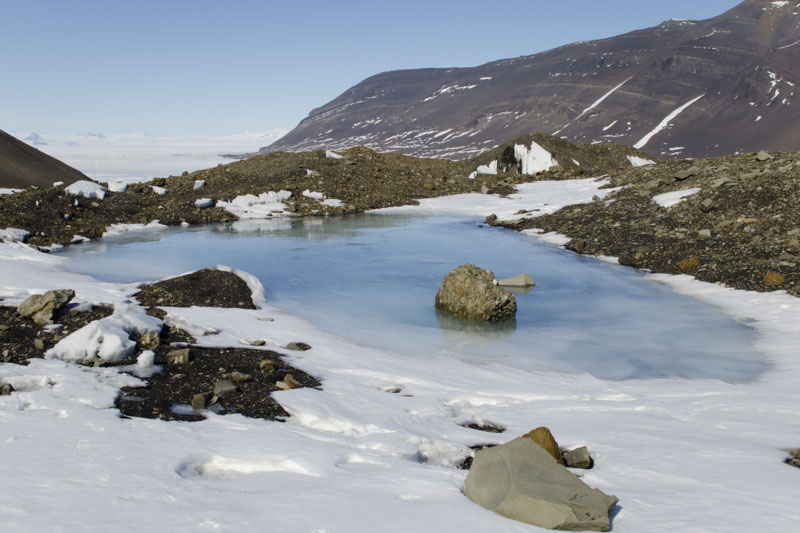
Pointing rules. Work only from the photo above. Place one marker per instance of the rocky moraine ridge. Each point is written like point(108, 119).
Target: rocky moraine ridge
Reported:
point(740, 227)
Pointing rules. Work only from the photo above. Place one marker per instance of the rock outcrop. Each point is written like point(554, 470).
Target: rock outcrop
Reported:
point(204, 288)
point(521, 481)
point(42, 307)
point(472, 293)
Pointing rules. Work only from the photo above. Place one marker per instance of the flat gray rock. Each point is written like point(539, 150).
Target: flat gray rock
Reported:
point(42, 307)
point(520, 280)
point(521, 481)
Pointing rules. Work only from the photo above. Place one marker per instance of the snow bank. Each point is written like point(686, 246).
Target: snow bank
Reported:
point(490, 169)
point(161, 191)
point(107, 338)
point(9, 191)
point(198, 184)
point(115, 230)
point(313, 195)
point(203, 203)
point(13, 235)
point(86, 189)
point(318, 196)
point(534, 159)
point(259, 294)
point(640, 161)
point(264, 205)
point(668, 199)
point(117, 186)
point(332, 154)
point(537, 198)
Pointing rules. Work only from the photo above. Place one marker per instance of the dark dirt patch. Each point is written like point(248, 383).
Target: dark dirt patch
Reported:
point(177, 384)
point(466, 462)
point(483, 426)
point(204, 288)
point(21, 339)
point(794, 458)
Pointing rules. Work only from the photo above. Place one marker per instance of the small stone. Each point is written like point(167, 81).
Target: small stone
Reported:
point(179, 357)
point(200, 401)
point(6, 389)
point(150, 341)
point(579, 245)
point(773, 279)
point(258, 343)
point(520, 280)
point(716, 184)
point(224, 387)
point(706, 205)
point(39, 344)
point(704, 233)
point(288, 383)
point(298, 346)
point(763, 156)
point(266, 365)
point(688, 264)
point(686, 174)
point(240, 377)
point(578, 458)
point(544, 438)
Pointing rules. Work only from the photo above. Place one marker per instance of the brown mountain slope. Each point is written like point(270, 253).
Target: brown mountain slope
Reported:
point(22, 165)
point(733, 78)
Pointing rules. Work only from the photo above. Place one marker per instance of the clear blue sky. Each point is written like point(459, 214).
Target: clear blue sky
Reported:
point(175, 67)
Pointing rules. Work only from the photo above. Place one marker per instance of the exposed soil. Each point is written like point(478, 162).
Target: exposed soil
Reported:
point(22, 339)
point(177, 384)
point(204, 288)
point(742, 229)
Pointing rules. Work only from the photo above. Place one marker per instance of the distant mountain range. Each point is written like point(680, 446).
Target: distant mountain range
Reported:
point(683, 88)
point(22, 165)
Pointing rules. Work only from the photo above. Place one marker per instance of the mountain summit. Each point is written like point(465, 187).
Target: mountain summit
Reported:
point(683, 88)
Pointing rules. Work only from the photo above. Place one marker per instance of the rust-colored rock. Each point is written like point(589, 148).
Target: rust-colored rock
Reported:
point(773, 279)
point(689, 263)
point(544, 438)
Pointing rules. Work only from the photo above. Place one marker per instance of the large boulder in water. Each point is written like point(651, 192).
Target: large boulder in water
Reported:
point(521, 481)
point(471, 292)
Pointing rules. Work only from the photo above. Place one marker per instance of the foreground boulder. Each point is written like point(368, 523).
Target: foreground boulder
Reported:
point(521, 481)
point(204, 288)
point(471, 292)
point(42, 307)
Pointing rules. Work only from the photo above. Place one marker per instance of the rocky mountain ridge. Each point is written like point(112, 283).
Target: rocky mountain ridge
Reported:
point(680, 89)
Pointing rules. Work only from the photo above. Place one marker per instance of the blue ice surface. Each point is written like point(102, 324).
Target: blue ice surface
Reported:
point(373, 279)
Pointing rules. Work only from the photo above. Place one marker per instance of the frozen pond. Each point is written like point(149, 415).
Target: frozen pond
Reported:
point(373, 279)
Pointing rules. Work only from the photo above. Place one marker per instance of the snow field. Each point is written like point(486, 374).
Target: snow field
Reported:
point(688, 455)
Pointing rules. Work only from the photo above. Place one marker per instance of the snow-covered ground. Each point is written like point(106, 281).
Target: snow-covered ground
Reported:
point(681, 455)
point(141, 157)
